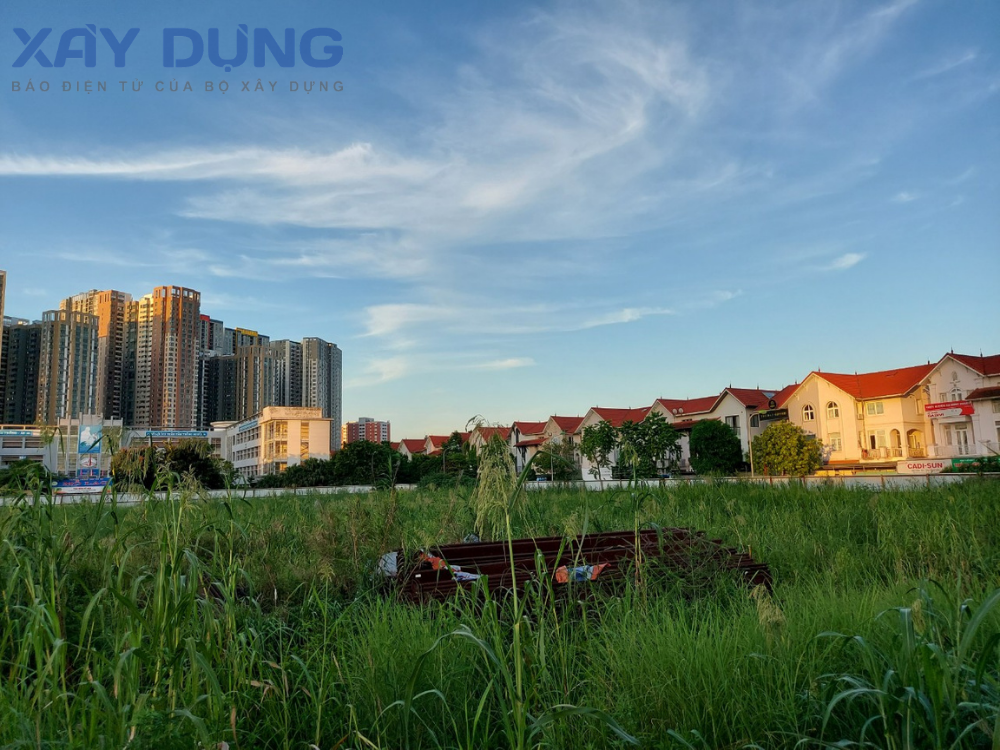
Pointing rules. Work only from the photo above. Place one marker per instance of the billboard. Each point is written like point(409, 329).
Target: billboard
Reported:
point(90, 438)
point(949, 409)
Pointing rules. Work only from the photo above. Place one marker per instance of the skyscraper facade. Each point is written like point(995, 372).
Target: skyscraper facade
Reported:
point(322, 382)
point(111, 308)
point(287, 373)
point(67, 373)
point(22, 346)
point(166, 372)
point(3, 293)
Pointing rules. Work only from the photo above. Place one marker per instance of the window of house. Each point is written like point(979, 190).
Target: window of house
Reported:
point(874, 408)
point(808, 414)
point(880, 441)
point(942, 397)
point(734, 423)
point(755, 419)
point(835, 442)
point(832, 410)
point(996, 406)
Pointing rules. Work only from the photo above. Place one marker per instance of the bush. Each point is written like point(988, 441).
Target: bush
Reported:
point(784, 449)
point(715, 449)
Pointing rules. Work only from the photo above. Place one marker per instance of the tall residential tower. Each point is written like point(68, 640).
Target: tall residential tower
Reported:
point(166, 372)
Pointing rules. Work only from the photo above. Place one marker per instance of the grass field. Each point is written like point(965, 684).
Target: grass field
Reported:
point(256, 624)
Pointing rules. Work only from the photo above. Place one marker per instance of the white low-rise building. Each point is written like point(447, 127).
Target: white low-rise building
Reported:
point(276, 438)
point(962, 406)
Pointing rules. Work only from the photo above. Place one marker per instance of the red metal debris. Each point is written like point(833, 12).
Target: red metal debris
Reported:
point(439, 572)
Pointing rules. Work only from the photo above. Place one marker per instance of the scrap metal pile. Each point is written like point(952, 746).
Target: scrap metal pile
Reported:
point(439, 572)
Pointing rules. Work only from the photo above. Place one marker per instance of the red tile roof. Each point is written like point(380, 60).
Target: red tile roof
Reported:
point(988, 365)
point(529, 428)
point(567, 424)
point(488, 432)
point(394, 446)
point(753, 398)
point(869, 385)
point(618, 417)
point(413, 445)
point(679, 406)
point(782, 396)
point(981, 394)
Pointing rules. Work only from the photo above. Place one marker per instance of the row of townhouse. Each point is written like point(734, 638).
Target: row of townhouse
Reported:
point(913, 418)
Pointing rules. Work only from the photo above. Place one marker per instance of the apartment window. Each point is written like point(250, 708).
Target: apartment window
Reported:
point(998, 430)
point(808, 414)
point(832, 410)
point(996, 406)
point(836, 445)
point(874, 408)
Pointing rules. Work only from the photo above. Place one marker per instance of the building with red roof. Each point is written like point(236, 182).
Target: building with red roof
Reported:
point(870, 417)
point(525, 439)
point(482, 434)
point(411, 447)
point(962, 406)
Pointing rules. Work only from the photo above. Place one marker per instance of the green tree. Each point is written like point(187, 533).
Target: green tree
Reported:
point(365, 462)
point(558, 461)
point(715, 449)
point(648, 447)
point(193, 458)
point(457, 457)
point(784, 449)
point(598, 443)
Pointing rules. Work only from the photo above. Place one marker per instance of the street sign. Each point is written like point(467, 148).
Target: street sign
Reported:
point(772, 415)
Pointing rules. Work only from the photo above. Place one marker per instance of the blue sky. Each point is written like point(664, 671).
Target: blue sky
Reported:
point(518, 209)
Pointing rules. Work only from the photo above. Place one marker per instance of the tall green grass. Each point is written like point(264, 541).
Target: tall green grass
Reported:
point(260, 624)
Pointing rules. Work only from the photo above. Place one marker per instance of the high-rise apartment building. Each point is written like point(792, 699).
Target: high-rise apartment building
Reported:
point(67, 373)
point(112, 310)
point(211, 335)
point(254, 379)
point(220, 395)
point(3, 293)
point(166, 371)
point(287, 373)
point(366, 428)
point(22, 342)
point(321, 381)
point(234, 338)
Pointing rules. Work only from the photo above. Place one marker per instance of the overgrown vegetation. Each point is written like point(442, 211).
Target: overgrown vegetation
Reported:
point(259, 624)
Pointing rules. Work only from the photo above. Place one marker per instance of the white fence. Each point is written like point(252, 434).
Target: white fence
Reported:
point(870, 482)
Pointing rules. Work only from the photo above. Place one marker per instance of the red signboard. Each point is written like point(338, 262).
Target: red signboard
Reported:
point(949, 409)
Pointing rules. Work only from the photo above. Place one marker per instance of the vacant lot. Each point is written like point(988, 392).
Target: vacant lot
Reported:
point(258, 624)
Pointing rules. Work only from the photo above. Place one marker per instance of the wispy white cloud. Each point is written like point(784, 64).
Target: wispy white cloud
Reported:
point(904, 196)
point(625, 315)
point(948, 64)
point(845, 261)
point(509, 363)
point(576, 125)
